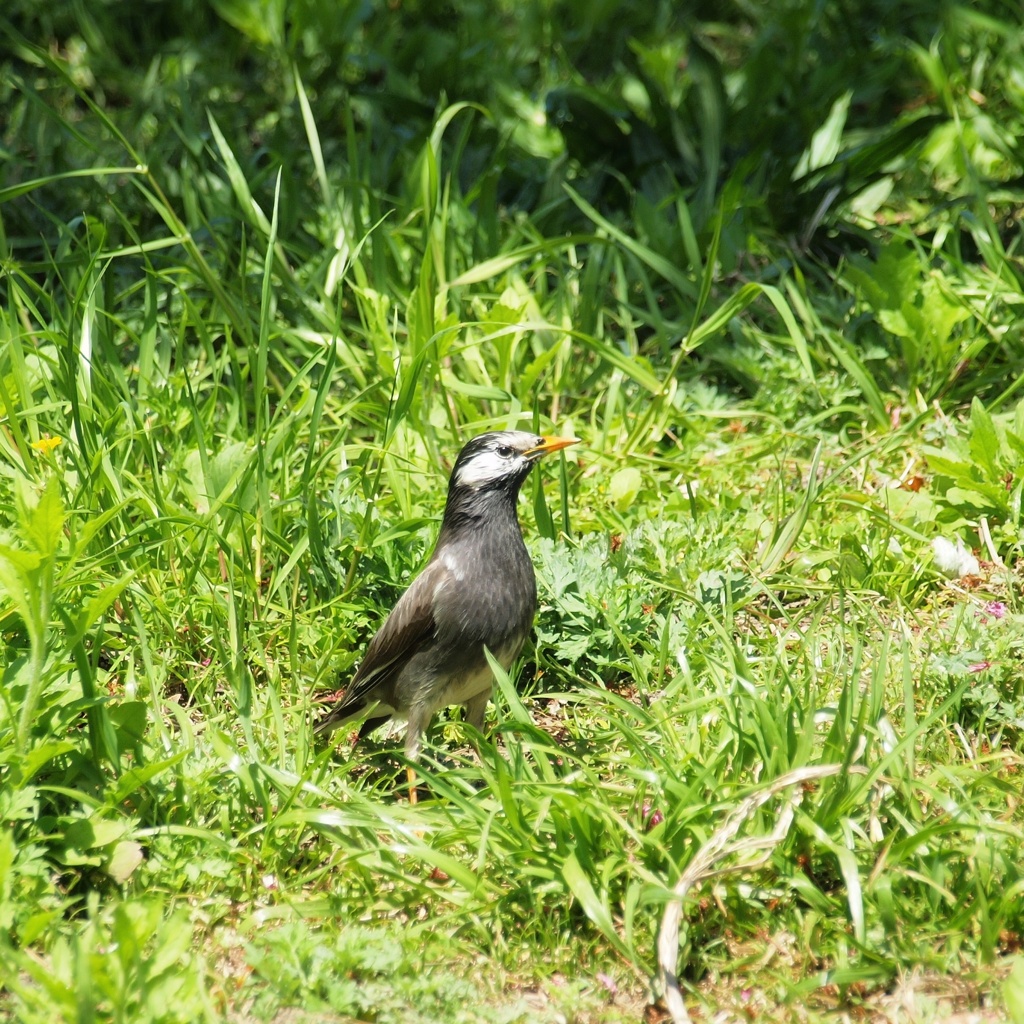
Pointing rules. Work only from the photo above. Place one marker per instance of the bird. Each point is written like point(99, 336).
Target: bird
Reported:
point(478, 590)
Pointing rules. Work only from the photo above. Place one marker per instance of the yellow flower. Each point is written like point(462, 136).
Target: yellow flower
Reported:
point(46, 444)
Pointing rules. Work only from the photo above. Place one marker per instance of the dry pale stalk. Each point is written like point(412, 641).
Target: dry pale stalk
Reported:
point(719, 847)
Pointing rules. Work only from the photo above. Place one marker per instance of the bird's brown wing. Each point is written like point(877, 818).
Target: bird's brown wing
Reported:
point(409, 626)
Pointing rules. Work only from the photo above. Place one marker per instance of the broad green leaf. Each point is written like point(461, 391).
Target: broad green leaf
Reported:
point(984, 441)
point(826, 141)
point(44, 522)
point(125, 857)
point(624, 486)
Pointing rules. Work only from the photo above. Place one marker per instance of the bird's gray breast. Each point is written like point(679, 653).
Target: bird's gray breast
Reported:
point(488, 599)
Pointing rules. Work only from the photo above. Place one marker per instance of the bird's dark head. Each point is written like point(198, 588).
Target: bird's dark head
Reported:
point(501, 460)
point(486, 479)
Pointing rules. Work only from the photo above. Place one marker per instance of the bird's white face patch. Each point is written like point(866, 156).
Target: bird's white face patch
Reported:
point(488, 466)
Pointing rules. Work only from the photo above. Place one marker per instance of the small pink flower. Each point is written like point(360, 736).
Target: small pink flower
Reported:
point(997, 609)
point(652, 816)
point(608, 982)
point(979, 666)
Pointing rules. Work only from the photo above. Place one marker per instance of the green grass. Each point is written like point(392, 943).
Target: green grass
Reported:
point(258, 284)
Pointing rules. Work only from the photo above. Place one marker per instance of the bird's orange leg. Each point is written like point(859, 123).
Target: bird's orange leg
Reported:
point(418, 718)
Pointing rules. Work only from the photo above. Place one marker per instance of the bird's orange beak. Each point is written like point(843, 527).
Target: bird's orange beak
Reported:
point(549, 445)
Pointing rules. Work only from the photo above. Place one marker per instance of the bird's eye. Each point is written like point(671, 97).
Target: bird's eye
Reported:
point(505, 451)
